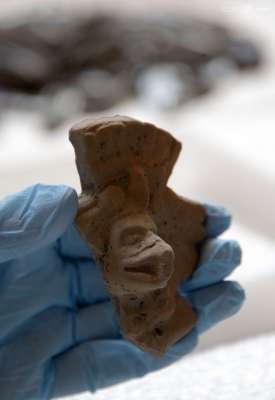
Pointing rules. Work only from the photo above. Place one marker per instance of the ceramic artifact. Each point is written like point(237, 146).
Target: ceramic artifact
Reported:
point(143, 236)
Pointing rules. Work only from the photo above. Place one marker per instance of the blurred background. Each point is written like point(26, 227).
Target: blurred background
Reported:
point(202, 70)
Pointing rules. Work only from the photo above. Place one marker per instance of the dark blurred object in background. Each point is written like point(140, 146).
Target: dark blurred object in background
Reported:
point(59, 66)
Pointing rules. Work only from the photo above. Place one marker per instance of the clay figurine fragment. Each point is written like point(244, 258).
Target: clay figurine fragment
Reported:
point(143, 236)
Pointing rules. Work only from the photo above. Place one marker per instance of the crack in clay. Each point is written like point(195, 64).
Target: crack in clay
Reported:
point(150, 246)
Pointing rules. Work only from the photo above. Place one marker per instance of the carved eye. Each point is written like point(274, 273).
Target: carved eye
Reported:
point(133, 236)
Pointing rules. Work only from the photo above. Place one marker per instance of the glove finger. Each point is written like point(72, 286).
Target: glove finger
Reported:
point(216, 303)
point(218, 259)
point(25, 355)
point(40, 281)
point(218, 220)
point(34, 218)
point(92, 288)
point(72, 245)
point(57, 329)
point(73, 249)
point(32, 284)
point(101, 363)
point(96, 322)
point(38, 339)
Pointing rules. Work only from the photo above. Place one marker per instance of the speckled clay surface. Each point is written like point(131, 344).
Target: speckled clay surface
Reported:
point(142, 234)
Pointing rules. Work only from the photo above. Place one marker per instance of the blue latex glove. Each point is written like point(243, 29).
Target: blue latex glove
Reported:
point(58, 332)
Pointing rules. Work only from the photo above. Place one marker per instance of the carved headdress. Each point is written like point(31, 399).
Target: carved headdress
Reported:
point(108, 147)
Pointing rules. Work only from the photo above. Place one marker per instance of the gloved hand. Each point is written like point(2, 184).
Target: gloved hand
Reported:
point(58, 331)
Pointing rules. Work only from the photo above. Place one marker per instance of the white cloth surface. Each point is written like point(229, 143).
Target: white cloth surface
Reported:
point(243, 370)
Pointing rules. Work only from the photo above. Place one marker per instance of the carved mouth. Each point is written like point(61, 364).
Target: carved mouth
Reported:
point(143, 270)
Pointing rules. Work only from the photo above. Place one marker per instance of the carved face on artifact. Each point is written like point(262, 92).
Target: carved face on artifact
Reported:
point(138, 259)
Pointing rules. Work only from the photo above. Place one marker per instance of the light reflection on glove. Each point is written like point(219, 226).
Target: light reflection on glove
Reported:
point(58, 331)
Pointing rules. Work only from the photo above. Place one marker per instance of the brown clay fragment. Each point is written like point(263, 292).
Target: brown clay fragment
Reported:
point(143, 235)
